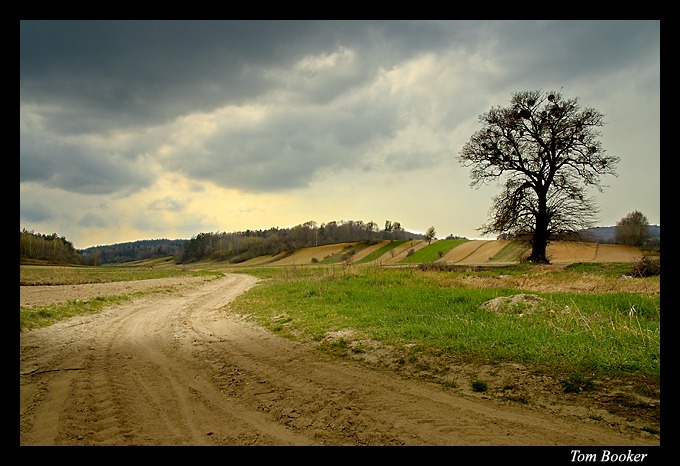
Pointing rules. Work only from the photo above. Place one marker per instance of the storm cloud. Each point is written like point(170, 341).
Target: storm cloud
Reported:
point(115, 108)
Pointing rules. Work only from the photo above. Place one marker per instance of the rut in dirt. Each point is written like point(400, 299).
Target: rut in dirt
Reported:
point(182, 369)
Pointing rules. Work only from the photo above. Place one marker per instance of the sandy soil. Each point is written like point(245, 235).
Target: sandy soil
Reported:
point(400, 253)
point(476, 251)
point(47, 294)
point(481, 251)
point(180, 368)
point(304, 256)
point(566, 253)
point(368, 250)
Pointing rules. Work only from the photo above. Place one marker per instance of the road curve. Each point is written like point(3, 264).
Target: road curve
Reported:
point(181, 369)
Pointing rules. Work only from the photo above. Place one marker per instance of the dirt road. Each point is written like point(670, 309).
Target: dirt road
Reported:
point(181, 369)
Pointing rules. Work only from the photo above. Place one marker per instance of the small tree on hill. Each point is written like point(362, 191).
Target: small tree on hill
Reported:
point(430, 235)
point(633, 229)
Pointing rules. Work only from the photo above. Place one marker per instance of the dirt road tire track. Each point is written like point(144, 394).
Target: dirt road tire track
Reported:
point(181, 369)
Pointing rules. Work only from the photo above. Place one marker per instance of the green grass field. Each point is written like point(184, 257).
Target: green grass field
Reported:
point(608, 333)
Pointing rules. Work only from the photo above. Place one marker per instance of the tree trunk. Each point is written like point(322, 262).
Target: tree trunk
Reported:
point(539, 242)
point(539, 245)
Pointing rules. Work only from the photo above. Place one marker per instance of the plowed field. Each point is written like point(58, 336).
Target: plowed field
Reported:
point(467, 253)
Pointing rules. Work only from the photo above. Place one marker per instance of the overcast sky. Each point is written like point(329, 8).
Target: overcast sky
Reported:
point(165, 129)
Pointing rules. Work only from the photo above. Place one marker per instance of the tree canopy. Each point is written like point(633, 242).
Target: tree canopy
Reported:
point(633, 229)
point(49, 248)
point(545, 151)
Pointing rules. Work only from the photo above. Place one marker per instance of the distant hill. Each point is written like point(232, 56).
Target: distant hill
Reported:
point(241, 246)
point(132, 251)
point(46, 249)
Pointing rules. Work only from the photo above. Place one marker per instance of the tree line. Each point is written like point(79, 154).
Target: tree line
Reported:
point(54, 249)
point(47, 248)
point(234, 247)
point(132, 251)
point(238, 247)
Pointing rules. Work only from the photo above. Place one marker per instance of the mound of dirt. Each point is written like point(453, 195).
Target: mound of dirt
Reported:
point(519, 304)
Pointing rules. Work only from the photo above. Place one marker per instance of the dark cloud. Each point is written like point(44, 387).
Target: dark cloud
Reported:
point(35, 212)
point(85, 79)
point(127, 72)
point(289, 148)
point(90, 219)
point(541, 54)
point(76, 167)
point(115, 74)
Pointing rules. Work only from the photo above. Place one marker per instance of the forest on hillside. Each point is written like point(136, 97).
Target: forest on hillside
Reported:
point(132, 251)
point(47, 248)
point(241, 246)
point(237, 247)
point(233, 247)
point(53, 249)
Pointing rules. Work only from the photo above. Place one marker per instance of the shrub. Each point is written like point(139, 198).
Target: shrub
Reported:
point(577, 383)
point(646, 267)
point(479, 386)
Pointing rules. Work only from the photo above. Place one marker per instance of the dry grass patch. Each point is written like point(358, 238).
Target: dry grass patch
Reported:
point(551, 279)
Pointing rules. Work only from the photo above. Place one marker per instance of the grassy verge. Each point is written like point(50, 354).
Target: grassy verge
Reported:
point(609, 333)
point(41, 316)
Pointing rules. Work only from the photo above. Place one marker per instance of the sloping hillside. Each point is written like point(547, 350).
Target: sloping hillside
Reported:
point(477, 251)
point(472, 252)
point(310, 255)
point(561, 253)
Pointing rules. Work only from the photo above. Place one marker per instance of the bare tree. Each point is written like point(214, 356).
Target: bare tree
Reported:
point(633, 229)
point(547, 151)
point(371, 228)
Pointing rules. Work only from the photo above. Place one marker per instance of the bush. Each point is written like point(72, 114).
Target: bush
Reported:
point(479, 386)
point(646, 267)
point(577, 383)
